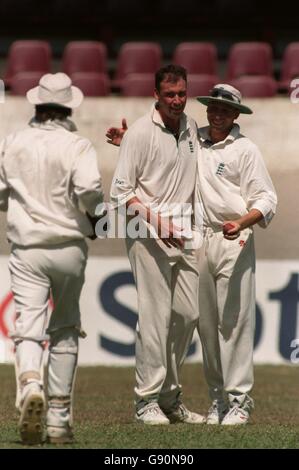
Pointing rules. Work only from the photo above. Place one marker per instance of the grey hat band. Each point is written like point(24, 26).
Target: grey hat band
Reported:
point(224, 94)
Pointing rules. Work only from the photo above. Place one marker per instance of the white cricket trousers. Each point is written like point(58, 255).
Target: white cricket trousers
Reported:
point(227, 312)
point(35, 272)
point(167, 293)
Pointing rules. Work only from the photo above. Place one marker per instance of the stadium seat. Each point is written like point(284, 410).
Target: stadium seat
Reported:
point(21, 82)
point(289, 65)
point(84, 56)
point(249, 58)
point(201, 84)
point(91, 83)
point(259, 86)
point(137, 57)
point(196, 57)
point(27, 56)
point(139, 84)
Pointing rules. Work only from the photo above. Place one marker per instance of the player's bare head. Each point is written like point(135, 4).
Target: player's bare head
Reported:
point(49, 111)
point(170, 73)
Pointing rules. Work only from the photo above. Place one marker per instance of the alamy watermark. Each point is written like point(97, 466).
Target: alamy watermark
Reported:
point(295, 354)
point(2, 92)
point(136, 221)
point(294, 96)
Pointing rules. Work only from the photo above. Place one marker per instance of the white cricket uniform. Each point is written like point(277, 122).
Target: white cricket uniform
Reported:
point(160, 171)
point(48, 179)
point(232, 179)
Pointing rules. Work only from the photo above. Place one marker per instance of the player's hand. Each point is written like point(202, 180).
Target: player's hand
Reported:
point(93, 221)
point(115, 134)
point(231, 229)
point(170, 234)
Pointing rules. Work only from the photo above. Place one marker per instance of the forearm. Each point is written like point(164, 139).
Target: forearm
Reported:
point(232, 228)
point(251, 218)
point(164, 228)
point(135, 206)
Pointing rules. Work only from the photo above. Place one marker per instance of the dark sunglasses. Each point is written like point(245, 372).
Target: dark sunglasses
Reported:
point(216, 92)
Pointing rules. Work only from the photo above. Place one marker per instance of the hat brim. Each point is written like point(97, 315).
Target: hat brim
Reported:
point(77, 98)
point(206, 100)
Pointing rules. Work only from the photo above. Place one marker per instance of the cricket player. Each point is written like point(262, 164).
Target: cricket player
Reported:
point(48, 180)
point(156, 171)
point(236, 193)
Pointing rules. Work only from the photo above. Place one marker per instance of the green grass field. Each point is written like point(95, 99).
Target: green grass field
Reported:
point(104, 415)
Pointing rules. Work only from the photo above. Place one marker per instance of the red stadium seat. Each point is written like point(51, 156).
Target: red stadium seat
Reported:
point(259, 86)
point(23, 81)
point(201, 84)
point(27, 56)
point(249, 58)
point(91, 83)
point(289, 66)
point(84, 56)
point(139, 84)
point(196, 57)
point(137, 57)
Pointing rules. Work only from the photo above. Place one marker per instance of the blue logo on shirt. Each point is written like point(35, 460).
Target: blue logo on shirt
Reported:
point(191, 147)
point(220, 169)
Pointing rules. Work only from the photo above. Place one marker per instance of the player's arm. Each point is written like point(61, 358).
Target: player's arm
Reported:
point(115, 134)
point(86, 177)
point(256, 186)
point(166, 230)
point(258, 192)
point(232, 228)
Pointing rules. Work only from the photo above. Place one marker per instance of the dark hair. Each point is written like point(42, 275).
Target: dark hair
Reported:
point(171, 73)
point(44, 112)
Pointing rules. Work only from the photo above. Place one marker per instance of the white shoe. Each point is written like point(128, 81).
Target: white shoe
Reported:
point(235, 416)
point(59, 435)
point(240, 408)
point(217, 412)
point(151, 414)
point(180, 414)
point(32, 408)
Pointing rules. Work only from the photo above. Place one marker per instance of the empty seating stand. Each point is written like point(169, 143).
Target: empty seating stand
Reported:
point(139, 84)
point(289, 66)
point(136, 57)
point(27, 56)
point(249, 58)
point(86, 63)
point(196, 57)
point(21, 82)
point(201, 84)
point(84, 56)
point(92, 83)
point(259, 86)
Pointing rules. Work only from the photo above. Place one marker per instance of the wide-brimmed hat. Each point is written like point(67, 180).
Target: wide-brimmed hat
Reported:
point(227, 94)
point(56, 88)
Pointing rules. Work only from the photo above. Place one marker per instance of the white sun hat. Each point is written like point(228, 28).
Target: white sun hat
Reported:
point(56, 88)
point(222, 92)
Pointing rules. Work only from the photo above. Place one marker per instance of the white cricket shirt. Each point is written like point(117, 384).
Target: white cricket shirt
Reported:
point(154, 166)
point(232, 179)
point(46, 174)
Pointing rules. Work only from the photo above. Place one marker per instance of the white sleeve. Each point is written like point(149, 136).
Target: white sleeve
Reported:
point(4, 188)
point(256, 186)
point(129, 167)
point(86, 177)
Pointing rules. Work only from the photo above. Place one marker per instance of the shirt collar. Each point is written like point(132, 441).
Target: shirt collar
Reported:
point(204, 136)
point(49, 125)
point(156, 118)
